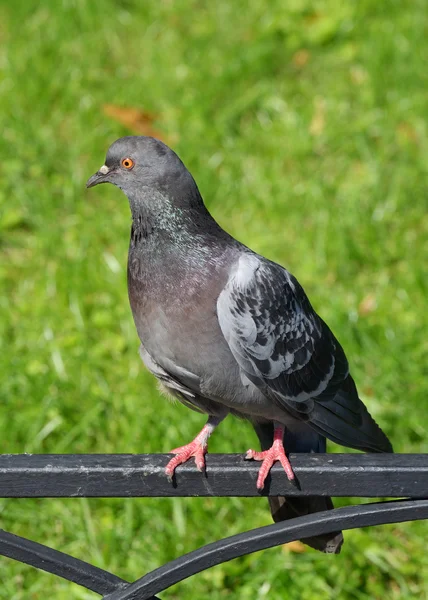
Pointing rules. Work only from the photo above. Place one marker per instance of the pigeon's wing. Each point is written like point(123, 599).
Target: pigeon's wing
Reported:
point(289, 353)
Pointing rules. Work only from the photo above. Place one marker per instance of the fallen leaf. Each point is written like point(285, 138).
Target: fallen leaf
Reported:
point(296, 547)
point(367, 305)
point(135, 119)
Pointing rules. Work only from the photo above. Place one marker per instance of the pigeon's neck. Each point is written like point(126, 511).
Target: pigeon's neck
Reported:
point(173, 246)
point(156, 218)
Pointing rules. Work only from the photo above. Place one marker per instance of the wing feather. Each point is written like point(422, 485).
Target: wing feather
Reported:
point(285, 349)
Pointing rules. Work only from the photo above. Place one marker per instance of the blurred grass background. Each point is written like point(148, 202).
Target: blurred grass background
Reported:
point(305, 126)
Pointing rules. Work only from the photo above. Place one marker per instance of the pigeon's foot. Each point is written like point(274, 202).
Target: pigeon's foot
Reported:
point(182, 455)
point(198, 448)
point(269, 457)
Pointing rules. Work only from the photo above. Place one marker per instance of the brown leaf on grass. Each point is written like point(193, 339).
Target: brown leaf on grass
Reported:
point(137, 120)
point(296, 547)
point(367, 305)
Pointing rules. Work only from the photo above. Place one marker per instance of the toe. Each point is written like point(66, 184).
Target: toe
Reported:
point(200, 460)
point(171, 466)
point(287, 467)
point(253, 455)
point(264, 471)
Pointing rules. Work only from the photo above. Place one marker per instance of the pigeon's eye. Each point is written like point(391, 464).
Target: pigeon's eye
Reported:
point(128, 163)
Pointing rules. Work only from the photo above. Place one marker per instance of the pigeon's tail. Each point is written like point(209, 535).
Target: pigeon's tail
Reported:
point(345, 420)
point(306, 440)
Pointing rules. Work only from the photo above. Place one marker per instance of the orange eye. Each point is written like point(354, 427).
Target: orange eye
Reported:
point(128, 163)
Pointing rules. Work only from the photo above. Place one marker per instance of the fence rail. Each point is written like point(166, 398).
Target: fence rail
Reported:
point(122, 475)
point(142, 475)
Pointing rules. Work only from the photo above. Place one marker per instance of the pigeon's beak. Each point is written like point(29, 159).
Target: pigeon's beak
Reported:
point(98, 177)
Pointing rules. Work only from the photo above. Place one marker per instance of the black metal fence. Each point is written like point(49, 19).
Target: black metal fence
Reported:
point(62, 476)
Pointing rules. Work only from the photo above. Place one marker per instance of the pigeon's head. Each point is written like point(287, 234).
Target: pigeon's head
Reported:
point(134, 162)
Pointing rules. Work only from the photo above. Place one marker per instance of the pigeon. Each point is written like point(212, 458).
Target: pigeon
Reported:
point(227, 331)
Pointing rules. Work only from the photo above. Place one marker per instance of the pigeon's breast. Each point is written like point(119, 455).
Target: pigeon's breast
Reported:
point(174, 307)
point(175, 312)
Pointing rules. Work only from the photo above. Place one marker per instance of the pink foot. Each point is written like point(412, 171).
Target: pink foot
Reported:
point(269, 457)
point(183, 454)
point(198, 448)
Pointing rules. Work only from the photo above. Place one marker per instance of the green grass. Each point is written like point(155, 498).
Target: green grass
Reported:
point(305, 125)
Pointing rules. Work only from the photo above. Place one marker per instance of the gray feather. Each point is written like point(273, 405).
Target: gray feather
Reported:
point(286, 350)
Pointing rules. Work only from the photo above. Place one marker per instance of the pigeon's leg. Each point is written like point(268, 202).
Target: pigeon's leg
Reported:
point(197, 448)
point(269, 457)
